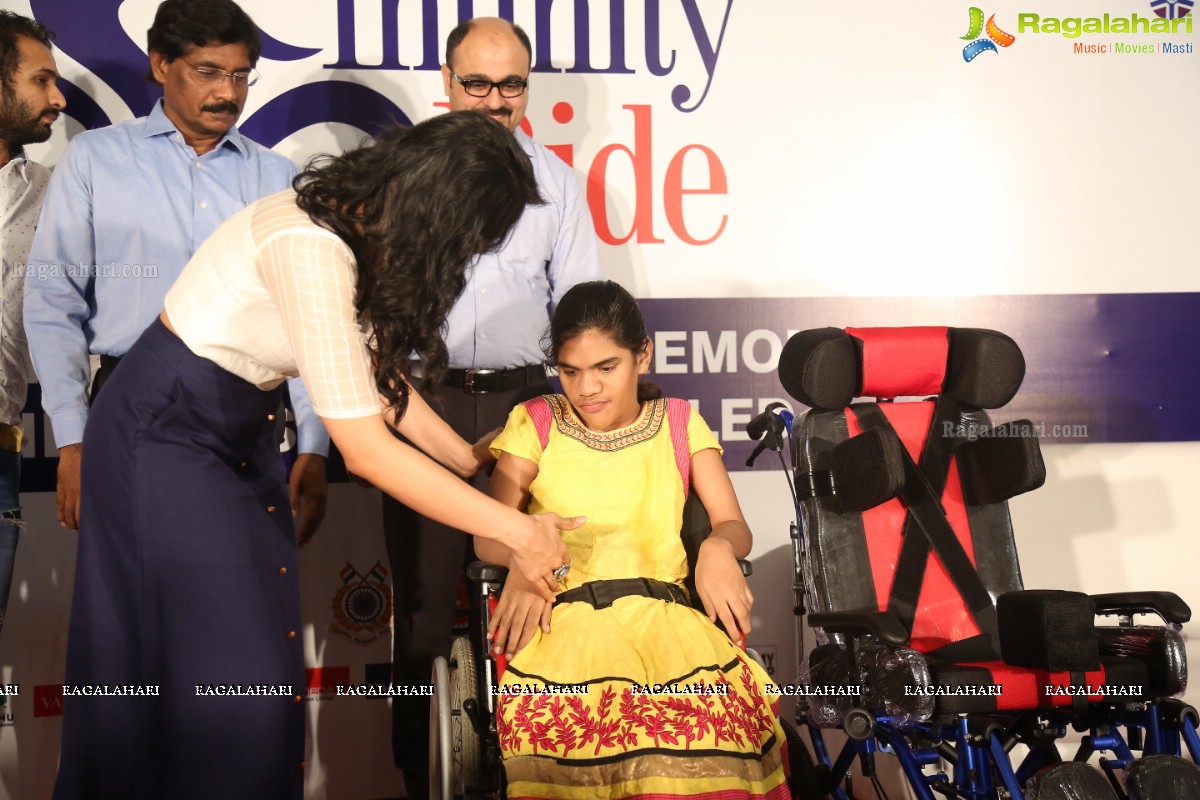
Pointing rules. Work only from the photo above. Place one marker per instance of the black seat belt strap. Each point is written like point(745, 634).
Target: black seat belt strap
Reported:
point(925, 510)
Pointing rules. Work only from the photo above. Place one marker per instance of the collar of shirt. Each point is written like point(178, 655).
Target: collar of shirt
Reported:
point(524, 141)
point(19, 163)
point(158, 123)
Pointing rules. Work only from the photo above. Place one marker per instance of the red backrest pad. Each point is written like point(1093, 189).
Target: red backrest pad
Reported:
point(942, 616)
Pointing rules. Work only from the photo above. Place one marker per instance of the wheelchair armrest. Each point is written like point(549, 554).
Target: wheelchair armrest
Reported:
point(483, 572)
point(886, 626)
point(1167, 605)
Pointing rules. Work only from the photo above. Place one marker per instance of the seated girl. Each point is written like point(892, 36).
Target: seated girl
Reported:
point(657, 700)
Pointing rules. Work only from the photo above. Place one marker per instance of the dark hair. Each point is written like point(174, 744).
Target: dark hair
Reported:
point(11, 26)
point(180, 25)
point(604, 306)
point(460, 32)
point(416, 207)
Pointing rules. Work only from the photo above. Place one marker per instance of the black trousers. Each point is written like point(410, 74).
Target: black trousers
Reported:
point(427, 560)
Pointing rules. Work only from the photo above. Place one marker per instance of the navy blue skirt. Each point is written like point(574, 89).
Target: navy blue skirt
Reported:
point(186, 581)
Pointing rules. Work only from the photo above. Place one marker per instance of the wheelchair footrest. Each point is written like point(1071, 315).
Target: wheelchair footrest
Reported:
point(1162, 777)
point(1070, 780)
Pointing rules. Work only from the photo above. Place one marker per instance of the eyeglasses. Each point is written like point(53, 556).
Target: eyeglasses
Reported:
point(214, 76)
point(476, 87)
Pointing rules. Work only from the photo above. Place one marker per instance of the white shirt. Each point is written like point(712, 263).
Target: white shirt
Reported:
point(269, 296)
point(22, 187)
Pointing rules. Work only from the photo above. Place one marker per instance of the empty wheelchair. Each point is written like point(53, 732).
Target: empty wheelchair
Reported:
point(907, 568)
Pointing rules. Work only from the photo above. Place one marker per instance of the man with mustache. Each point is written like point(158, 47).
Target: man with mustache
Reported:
point(126, 209)
point(494, 342)
point(29, 104)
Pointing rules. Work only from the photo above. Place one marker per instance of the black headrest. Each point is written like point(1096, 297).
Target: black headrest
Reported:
point(826, 368)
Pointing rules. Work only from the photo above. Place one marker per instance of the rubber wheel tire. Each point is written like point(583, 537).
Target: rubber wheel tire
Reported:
point(441, 748)
point(469, 777)
point(804, 783)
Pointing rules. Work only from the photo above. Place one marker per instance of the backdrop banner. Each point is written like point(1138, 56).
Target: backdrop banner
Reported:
point(752, 169)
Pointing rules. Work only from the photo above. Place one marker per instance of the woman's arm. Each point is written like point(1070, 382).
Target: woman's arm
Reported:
point(422, 426)
point(412, 478)
point(711, 482)
point(719, 580)
point(509, 485)
point(522, 610)
point(311, 276)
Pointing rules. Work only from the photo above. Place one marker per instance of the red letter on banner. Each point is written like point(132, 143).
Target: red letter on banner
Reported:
point(673, 192)
point(643, 206)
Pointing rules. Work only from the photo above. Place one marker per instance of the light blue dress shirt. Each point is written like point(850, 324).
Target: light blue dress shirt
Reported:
point(499, 320)
point(127, 207)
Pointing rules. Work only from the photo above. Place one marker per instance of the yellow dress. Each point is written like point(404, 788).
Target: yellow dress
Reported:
point(644, 699)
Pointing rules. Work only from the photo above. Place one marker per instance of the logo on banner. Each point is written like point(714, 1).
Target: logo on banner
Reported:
point(322, 682)
point(362, 607)
point(1171, 9)
point(1173, 18)
point(984, 44)
point(48, 700)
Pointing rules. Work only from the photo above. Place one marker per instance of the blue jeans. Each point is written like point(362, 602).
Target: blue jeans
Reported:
point(10, 523)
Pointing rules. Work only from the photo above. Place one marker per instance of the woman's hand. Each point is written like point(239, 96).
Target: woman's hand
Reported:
point(722, 587)
point(540, 551)
point(519, 613)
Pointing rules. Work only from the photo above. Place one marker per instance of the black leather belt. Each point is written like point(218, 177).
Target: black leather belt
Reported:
point(482, 381)
point(602, 594)
point(107, 365)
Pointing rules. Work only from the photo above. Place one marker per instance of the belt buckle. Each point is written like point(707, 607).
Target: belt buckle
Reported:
point(469, 380)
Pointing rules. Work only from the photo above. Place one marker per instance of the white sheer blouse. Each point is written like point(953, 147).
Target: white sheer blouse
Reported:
point(270, 295)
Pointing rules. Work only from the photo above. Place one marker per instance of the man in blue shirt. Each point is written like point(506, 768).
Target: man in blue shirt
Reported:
point(494, 344)
point(127, 207)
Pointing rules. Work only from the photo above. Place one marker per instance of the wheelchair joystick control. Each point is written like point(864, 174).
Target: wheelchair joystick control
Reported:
point(859, 724)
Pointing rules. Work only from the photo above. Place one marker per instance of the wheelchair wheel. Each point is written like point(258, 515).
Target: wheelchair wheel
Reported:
point(468, 751)
point(803, 783)
point(441, 750)
point(455, 753)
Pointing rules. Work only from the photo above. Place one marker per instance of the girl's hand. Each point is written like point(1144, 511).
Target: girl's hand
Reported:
point(722, 587)
point(519, 613)
point(541, 551)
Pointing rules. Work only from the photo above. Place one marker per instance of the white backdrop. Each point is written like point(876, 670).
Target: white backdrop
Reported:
point(839, 150)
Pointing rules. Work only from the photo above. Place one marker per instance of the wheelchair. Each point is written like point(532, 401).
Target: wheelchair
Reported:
point(906, 569)
point(464, 754)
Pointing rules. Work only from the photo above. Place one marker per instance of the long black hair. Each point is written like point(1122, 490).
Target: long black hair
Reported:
point(608, 308)
point(416, 207)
